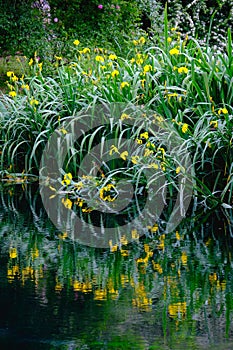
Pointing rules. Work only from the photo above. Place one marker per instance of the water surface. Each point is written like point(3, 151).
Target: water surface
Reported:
point(159, 292)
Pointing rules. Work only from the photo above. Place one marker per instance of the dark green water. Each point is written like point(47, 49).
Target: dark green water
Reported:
point(160, 292)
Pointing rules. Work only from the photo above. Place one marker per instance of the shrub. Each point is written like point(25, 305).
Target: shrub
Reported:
point(48, 27)
point(21, 27)
point(207, 21)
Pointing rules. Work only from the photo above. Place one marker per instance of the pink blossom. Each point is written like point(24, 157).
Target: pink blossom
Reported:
point(100, 6)
point(117, 7)
point(46, 7)
point(55, 19)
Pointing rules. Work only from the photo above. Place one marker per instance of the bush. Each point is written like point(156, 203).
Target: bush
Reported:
point(197, 17)
point(48, 26)
point(21, 27)
point(27, 26)
point(96, 21)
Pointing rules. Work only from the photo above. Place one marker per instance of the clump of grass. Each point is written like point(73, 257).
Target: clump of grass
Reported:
point(184, 83)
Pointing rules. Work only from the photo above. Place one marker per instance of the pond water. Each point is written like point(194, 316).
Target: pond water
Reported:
point(171, 291)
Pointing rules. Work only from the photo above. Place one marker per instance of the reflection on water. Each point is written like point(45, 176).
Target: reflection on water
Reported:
point(159, 292)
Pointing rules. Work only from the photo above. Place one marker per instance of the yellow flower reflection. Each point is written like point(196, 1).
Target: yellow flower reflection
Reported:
point(13, 253)
point(100, 294)
point(177, 310)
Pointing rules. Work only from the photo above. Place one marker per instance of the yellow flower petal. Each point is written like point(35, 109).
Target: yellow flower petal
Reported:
point(99, 58)
point(124, 84)
point(112, 57)
point(10, 74)
point(182, 70)
point(115, 73)
point(67, 203)
point(124, 155)
point(174, 51)
point(184, 128)
point(12, 93)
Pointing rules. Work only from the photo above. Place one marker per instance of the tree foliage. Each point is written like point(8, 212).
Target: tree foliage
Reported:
point(26, 25)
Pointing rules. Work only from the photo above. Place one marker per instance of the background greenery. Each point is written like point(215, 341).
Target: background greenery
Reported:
point(26, 27)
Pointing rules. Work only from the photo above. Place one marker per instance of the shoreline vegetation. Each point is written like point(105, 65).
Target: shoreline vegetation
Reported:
point(184, 82)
